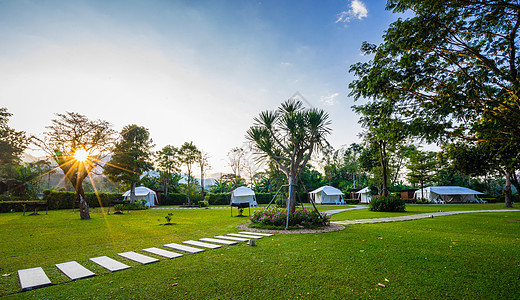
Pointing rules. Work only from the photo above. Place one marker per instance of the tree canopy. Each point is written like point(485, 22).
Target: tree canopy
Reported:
point(12, 144)
point(131, 156)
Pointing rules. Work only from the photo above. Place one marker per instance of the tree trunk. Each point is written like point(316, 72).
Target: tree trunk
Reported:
point(507, 189)
point(83, 205)
point(291, 201)
point(132, 192)
point(202, 183)
point(384, 166)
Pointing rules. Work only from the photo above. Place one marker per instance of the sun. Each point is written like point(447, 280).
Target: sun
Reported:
point(81, 155)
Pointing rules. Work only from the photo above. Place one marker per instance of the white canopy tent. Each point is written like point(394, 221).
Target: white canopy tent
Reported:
point(145, 193)
point(327, 195)
point(448, 194)
point(243, 195)
point(364, 195)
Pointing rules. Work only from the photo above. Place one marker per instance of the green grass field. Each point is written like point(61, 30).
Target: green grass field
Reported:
point(462, 256)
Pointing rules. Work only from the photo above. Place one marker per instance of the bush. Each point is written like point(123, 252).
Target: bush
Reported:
point(203, 203)
point(389, 203)
point(352, 201)
point(301, 218)
point(139, 204)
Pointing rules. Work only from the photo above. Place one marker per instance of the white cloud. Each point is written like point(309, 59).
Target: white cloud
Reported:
point(329, 100)
point(357, 10)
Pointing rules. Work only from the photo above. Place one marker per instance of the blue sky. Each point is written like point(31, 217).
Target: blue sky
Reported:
point(187, 70)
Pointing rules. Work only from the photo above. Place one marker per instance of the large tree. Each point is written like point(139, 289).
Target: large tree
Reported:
point(12, 144)
point(189, 155)
point(288, 137)
point(450, 70)
point(131, 157)
point(422, 166)
point(78, 145)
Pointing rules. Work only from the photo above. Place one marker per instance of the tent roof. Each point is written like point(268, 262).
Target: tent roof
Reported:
point(140, 191)
point(243, 191)
point(328, 190)
point(450, 190)
point(364, 191)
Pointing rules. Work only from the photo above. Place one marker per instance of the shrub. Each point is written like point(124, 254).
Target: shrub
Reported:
point(389, 203)
point(203, 203)
point(118, 208)
point(301, 218)
point(352, 201)
point(139, 204)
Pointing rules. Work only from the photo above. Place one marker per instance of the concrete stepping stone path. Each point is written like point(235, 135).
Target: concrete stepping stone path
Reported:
point(183, 248)
point(110, 264)
point(231, 238)
point(202, 244)
point(33, 278)
point(218, 241)
point(140, 258)
point(74, 270)
point(255, 233)
point(162, 252)
point(246, 236)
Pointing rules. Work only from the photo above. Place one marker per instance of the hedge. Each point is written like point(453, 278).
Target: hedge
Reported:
point(180, 199)
point(66, 200)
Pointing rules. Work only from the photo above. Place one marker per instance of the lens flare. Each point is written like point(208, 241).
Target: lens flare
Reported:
point(81, 155)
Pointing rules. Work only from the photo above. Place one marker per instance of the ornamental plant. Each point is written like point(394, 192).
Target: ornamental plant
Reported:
point(301, 218)
point(389, 203)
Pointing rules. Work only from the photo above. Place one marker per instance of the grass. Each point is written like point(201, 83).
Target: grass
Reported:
point(462, 256)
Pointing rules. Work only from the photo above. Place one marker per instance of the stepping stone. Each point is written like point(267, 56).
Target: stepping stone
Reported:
point(202, 244)
point(110, 264)
point(74, 270)
point(246, 236)
point(256, 233)
point(183, 248)
point(143, 259)
point(33, 278)
point(218, 241)
point(162, 252)
point(231, 238)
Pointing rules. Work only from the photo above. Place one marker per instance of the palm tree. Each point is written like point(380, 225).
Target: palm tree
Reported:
point(289, 136)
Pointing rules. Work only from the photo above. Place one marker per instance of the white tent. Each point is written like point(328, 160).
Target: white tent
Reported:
point(243, 195)
point(364, 195)
point(327, 195)
point(145, 193)
point(447, 194)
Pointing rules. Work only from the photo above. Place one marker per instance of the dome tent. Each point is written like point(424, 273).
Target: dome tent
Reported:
point(327, 195)
point(143, 193)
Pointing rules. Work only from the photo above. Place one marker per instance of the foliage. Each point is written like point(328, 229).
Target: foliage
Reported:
point(168, 218)
point(189, 154)
point(66, 200)
point(203, 203)
point(131, 157)
point(168, 162)
point(73, 132)
point(119, 208)
point(301, 217)
point(390, 203)
point(12, 144)
point(422, 166)
point(450, 71)
point(138, 204)
point(288, 137)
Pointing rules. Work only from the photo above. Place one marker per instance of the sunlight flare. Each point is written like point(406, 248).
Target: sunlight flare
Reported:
point(81, 155)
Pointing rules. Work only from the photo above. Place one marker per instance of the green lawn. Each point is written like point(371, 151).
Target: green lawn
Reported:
point(462, 256)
